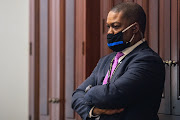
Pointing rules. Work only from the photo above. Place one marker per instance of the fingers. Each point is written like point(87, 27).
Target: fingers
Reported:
point(113, 111)
point(98, 111)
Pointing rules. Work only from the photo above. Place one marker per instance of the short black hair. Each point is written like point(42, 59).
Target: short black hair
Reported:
point(133, 13)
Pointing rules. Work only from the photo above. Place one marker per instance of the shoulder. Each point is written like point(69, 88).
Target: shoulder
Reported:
point(147, 58)
point(148, 54)
point(143, 51)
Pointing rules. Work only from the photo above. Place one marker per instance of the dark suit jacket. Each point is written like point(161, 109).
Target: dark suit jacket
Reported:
point(137, 86)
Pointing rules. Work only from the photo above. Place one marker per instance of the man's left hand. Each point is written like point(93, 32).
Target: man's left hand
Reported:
point(98, 111)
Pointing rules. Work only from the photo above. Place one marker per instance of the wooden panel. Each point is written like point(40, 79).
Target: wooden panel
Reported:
point(92, 52)
point(154, 25)
point(175, 47)
point(128, 0)
point(140, 2)
point(48, 40)
point(34, 61)
point(105, 7)
point(145, 5)
point(54, 57)
point(44, 57)
point(164, 29)
point(87, 39)
point(57, 58)
point(164, 50)
point(61, 31)
point(115, 2)
point(178, 31)
point(69, 66)
point(80, 33)
point(37, 60)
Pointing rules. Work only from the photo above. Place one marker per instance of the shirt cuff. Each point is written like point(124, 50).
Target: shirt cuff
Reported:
point(91, 113)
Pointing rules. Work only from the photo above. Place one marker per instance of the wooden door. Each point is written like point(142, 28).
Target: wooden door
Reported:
point(47, 42)
point(175, 56)
point(52, 98)
point(43, 60)
point(173, 17)
point(106, 5)
point(87, 39)
point(164, 51)
point(57, 59)
point(34, 61)
point(69, 58)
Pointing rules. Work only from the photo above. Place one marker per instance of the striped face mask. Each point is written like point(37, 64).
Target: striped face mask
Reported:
point(115, 41)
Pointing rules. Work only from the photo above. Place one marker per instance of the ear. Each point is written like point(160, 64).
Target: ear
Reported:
point(135, 28)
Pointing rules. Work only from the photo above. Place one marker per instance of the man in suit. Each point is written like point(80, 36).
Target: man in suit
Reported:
point(128, 83)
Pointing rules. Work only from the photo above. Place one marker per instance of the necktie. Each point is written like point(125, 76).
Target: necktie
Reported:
point(115, 63)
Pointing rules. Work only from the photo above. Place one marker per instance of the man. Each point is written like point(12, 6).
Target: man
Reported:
point(128, 83)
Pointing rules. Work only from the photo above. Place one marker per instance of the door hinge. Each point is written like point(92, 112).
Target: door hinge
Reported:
point(30, 48)
point(83, 48)
point(30, 117)
point(103, 26)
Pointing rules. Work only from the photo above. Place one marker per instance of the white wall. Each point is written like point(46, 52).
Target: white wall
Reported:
point(14, 35)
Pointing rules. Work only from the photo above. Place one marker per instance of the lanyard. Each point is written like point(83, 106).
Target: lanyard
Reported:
point(109, 74)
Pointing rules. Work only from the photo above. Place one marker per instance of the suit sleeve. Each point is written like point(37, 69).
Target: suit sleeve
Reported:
point(78, 102)
point(143, 75)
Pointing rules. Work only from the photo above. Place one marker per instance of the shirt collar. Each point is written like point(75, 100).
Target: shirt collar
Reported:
point(129, 49)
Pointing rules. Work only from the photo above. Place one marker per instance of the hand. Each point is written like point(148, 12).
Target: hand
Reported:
point(98, 111)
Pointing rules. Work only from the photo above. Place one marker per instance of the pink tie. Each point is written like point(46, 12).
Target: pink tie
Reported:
point(118, 55)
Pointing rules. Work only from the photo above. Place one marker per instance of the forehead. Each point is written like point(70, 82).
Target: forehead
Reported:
point(114, 17)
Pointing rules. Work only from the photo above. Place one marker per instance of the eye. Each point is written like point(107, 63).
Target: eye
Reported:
point(116, 26)
point(108, 26)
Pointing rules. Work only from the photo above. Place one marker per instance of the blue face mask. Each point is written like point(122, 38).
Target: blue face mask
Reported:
point(115, 41)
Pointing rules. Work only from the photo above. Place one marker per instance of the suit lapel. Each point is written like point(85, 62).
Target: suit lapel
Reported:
point(102, 75)
point(107, 65)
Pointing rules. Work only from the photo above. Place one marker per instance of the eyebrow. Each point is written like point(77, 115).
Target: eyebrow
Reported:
point(113, 23)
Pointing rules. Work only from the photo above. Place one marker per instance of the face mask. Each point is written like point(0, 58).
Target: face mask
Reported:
point(115, 41)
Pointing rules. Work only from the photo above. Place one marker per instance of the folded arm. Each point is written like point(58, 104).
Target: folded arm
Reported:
point(82, 106)
point(79, 104)
point(141, 77)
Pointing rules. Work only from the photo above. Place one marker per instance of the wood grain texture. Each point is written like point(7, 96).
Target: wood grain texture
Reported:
point(80, 28)
point(69, 55)
point(34, 61)
point(164, 50)
point(154, 24)
point(87, 39)
point(43, 57)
